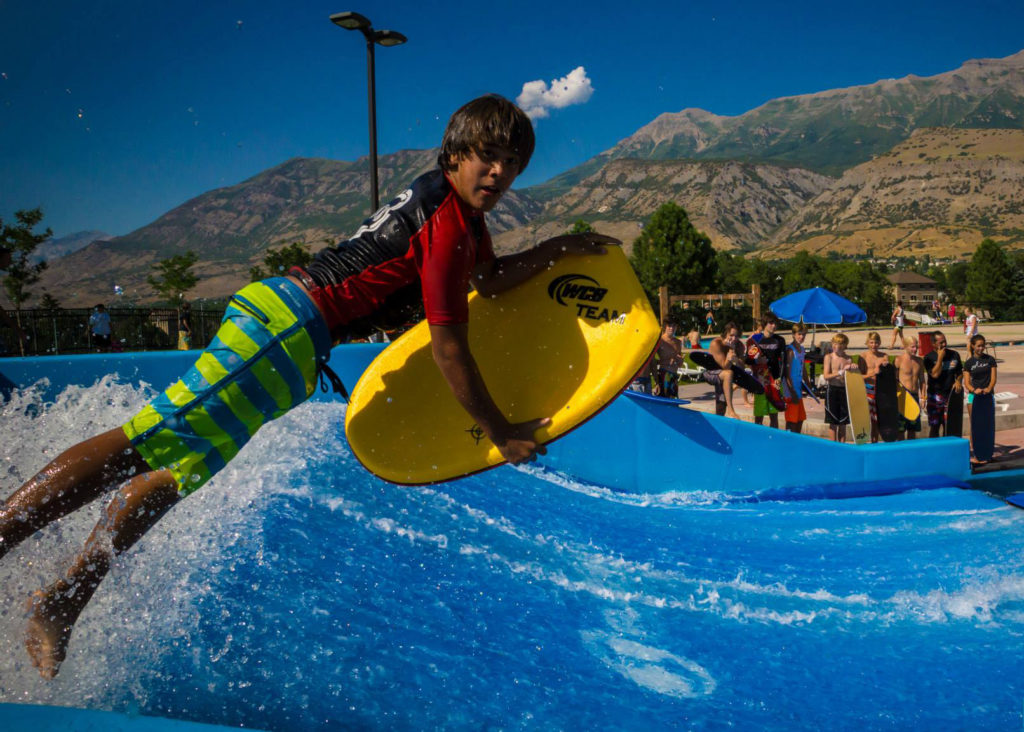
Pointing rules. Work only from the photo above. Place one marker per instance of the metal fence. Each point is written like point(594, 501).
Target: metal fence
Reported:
point(51, 332)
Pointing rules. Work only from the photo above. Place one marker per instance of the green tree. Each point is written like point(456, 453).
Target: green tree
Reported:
point(803, 271)
point(863, 284)
point(956, 281)
point(22, 273)
point(990, 282)
point(174, 277)
point(49, 302)
point(279, 261)
point(580, 227)
point(670, 251)
point(939, 275)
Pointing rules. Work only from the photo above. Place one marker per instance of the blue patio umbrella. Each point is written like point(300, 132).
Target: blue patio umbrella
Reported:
point(818, 306)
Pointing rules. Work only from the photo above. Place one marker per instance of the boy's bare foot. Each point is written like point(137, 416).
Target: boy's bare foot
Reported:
point(47, 633)
point(731, 413)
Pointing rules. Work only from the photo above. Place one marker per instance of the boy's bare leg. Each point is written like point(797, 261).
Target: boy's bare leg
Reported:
point(54, 609)
point(71, 480)
point(727, 388)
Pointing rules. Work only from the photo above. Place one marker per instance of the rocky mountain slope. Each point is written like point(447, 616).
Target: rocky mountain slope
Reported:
point(56, 248)
point(737, 204)
point(829, 131)
point(941, 191)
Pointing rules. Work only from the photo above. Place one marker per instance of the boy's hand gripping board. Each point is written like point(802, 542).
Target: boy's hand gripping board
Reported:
point(561, 345)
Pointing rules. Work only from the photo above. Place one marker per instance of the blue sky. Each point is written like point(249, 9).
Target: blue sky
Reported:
point(113, 112)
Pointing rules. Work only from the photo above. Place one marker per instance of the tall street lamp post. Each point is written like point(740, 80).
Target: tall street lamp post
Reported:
point(355, 21)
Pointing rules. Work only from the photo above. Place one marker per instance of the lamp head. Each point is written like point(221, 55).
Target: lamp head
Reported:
point(389, 38)
point(351, 21)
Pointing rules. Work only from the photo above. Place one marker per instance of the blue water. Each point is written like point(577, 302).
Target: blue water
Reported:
point(295, 591)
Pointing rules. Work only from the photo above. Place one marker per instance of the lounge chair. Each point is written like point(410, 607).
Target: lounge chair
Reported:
point(690, 371)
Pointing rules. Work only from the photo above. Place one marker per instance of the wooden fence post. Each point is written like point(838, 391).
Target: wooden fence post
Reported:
point(663, 299)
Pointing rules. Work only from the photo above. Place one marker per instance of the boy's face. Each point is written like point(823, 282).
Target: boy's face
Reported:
point(482, 176)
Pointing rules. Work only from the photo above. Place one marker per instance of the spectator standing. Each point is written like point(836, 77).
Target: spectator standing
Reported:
point(944, 371)
point(970, 324)
point(979, 379)
point(185, 327)
point(670, 358)
point(836, 364)
point(709, 320)
point(99, 328)
point(767, 354)
point(869, 363)
point(898, 318)
point(910, 370)
point(794, 376)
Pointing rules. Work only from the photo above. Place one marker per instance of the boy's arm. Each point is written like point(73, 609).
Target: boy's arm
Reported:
point(450, 345)
point(498, 275)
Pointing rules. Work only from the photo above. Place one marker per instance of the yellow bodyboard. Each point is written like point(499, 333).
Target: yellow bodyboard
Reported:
point(909, 407)
point(561, 345)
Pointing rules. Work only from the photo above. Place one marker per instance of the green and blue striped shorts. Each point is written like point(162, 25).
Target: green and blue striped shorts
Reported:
point(263, 362)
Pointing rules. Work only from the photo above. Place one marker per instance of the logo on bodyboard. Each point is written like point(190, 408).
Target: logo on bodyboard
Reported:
point(586, 294)
point(476, 433)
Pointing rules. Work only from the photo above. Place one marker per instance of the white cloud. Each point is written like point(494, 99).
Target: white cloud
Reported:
point(537, 98)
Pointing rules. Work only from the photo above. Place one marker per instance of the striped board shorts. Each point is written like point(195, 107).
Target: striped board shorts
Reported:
point(263, 362)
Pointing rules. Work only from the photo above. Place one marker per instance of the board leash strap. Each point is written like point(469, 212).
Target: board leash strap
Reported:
point(326, 372)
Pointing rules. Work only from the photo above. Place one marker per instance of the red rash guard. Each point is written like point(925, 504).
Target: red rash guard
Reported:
point(427, 235)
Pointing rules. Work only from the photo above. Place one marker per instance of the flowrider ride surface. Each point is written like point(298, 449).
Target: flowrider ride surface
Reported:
point(561, 345)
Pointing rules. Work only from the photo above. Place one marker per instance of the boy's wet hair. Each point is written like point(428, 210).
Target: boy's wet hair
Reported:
point(487, 120)
point(909, 341)
point(769, 318)
point(872, 336)
point(731, 325)
point(800, 327)
point(840, 338)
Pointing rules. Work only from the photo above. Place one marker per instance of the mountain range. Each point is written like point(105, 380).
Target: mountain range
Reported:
point(909, 166)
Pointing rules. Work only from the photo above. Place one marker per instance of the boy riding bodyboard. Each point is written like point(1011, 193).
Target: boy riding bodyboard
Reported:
point(275, 340)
